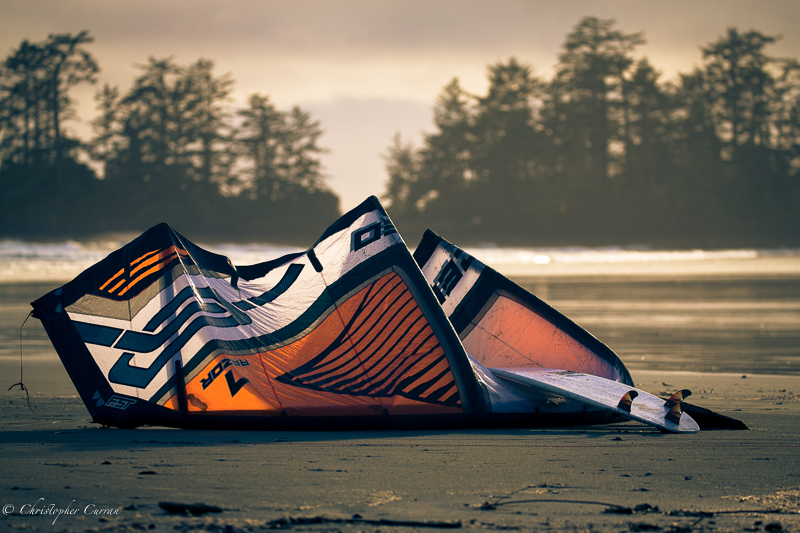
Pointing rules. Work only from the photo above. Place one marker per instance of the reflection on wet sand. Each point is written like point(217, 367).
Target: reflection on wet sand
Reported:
point(708, 324)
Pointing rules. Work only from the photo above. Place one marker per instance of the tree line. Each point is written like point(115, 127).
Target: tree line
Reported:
point(172, 148)
point(606, 152)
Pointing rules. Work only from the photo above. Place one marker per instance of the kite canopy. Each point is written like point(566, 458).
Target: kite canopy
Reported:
point(163, 332)
point(504, 326)
point(346, 334)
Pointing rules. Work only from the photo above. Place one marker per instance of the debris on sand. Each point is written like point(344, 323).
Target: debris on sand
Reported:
point(189, 508)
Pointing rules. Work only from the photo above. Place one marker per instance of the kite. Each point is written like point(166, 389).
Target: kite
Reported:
point(355, 332)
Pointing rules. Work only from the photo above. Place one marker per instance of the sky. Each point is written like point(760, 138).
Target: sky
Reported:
point(368, 70)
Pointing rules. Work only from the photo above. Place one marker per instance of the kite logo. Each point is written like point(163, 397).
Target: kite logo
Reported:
point(116, 402)
point(233, 385)
point(371, 233)
point(120, 402)
point(452, 272)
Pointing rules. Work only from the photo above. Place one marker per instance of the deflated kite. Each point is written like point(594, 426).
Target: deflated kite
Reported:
point(353, 332)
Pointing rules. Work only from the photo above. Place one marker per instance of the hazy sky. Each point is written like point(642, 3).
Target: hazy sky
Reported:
point(369, 69)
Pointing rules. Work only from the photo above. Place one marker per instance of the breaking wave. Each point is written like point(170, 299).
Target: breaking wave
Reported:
point(29, 261)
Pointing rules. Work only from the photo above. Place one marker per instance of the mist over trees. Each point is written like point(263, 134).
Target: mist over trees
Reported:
point(607, 153)
point(171, 148)
point(603, 152)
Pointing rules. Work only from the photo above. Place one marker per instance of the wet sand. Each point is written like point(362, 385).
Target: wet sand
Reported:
point(747, 324)
point(601, 478)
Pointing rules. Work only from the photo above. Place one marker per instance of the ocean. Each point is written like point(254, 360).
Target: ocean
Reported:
point(721, 311)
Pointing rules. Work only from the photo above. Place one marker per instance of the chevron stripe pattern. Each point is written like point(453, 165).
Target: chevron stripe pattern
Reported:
point(140, 268)
point(386, 348)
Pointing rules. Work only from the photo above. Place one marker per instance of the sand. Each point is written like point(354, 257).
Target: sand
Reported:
point(565, 479)
point(620, 477)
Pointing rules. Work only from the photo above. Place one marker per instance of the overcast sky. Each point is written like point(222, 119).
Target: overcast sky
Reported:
point(369, 69)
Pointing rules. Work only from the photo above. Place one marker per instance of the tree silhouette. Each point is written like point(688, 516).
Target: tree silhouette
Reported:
point(40, 175)
point(206, 122)
point(36, 80)
point(171, 148)
point(68, 63)
point(588, 88)
point(439, 180)
point(509, 149)
point(741, 89)
point(280, 151)
point(605, 152)
point(259, 137)
point(646, 130)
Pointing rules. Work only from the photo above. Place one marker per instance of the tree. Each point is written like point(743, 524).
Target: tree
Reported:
point(170, 149)
point(40, 174)
point(206, 119)
point(153, 114)
point(435, 184)
point(22, 117)
point(37, 78)
point(748, 93)
point(585, 98)
point(68, 63)
point(299, 166)
point(646, 130)
point(509, 153)
point(477, 170)
point(700, 176)
point(741, 89)
point(170, 133)
point(787, 119)
point(445, 172)
point(280, 151)
point(108, 142)
point(259, 136)
point(402, 166)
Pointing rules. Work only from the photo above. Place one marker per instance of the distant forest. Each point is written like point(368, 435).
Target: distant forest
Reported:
point(170, 149)
point(606, 153)
point(603, 153)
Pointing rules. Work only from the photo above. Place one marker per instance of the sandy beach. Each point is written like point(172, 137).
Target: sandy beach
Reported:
point(619, 477)
point(602, 478)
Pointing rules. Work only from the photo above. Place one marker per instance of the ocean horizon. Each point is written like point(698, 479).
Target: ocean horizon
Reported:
point(24, 261)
